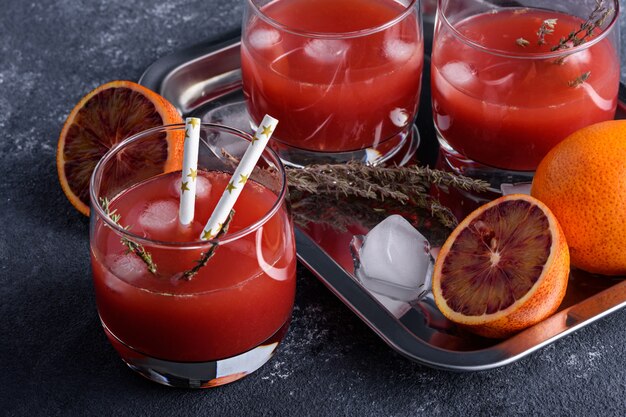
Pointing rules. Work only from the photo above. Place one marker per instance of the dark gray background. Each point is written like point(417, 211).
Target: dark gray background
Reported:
point(54, 358)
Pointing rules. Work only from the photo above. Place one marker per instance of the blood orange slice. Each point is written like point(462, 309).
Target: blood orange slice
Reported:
point(103, 118)
point(504, 268)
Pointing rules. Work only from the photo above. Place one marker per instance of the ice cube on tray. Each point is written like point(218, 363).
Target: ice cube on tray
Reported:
point(518, 188)
point(394, 260)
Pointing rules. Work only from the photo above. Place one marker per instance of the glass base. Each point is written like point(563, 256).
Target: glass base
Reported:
point(198, 374)
point(231, 110)
point(500, 180)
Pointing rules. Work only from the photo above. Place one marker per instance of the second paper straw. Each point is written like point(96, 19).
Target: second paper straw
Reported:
point(190, 171)
point(239, 178)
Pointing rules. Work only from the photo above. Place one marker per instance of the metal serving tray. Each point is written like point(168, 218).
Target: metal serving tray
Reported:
point(205, 81)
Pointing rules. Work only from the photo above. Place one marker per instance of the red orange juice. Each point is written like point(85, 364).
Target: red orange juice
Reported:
point(340, 75)
point(239, 300)
point(505, 103)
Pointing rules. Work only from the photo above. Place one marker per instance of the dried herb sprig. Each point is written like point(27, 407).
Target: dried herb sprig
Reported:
point(131, 246)
point(546, 28)
point(440, 212)
point(352, 179)
point(595, 20)
point(579, 80)
point(372, 182)
point(327, 193)
point(189, 274)
point(376, 182)
point(393, 186)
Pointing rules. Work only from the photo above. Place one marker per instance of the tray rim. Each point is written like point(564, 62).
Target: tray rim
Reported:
point(340, 282)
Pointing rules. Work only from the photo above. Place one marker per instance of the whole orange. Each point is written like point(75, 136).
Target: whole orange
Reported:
point(583, 181)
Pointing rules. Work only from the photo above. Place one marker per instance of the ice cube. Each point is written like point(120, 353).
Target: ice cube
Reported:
point(159, 216)
point(394, 260)
point(501, 76)
point(203, 187)
point(443, 121)
point(174, 187)
point(459, 74)
point(263, 38)
point(517, 188)
point(398, 50)
point(127, 267)
point(326, 50)
point(399, 117)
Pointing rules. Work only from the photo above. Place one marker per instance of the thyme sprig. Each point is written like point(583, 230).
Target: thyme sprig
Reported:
point(189, 274)
point(394, 186)
point(376, 182)
point(131, 245)
point(595, 20)
point(354, 179)
point(339, 194)
point(579, 80)
point(546, 28)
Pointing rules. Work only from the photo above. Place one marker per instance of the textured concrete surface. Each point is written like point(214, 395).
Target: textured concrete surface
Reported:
point(54, 358)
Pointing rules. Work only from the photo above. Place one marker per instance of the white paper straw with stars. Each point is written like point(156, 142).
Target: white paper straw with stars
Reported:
point(190, 171)
point(239, 178)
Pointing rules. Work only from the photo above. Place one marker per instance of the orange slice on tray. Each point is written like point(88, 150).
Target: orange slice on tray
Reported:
point(504, 268)
point(103, 118)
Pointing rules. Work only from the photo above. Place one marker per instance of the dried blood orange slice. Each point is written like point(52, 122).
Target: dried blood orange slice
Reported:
point(103, 118)
point(504, 268)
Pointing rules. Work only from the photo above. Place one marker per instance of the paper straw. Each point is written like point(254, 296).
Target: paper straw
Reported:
point(190, 171)
point(239, 178)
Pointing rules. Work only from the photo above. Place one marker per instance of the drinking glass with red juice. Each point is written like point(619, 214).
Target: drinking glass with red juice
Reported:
point(226, 320)
point(508, 82)
point(342, 76)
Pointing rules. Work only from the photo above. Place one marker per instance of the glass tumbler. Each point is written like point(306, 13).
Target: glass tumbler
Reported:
point(510, 80)
point(167, 323)
point(342, 76)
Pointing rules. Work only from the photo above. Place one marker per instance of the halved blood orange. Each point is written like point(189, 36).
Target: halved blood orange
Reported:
point(504, 268)
point(104, 117)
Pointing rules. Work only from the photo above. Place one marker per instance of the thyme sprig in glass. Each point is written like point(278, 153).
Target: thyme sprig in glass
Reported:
point(189, 274)
point(579, 80)
point(584, 33)
point(131, 245)
point(546, 28)
point(596, 19)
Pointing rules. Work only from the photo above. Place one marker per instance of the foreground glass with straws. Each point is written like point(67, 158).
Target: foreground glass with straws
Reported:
point(174, 315)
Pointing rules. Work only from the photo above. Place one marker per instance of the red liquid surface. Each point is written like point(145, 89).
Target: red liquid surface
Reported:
point(509, 112)
point(333, 94)
point(237, 301)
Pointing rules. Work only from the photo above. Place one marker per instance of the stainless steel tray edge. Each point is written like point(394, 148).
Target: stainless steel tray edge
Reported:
point(399, 338)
